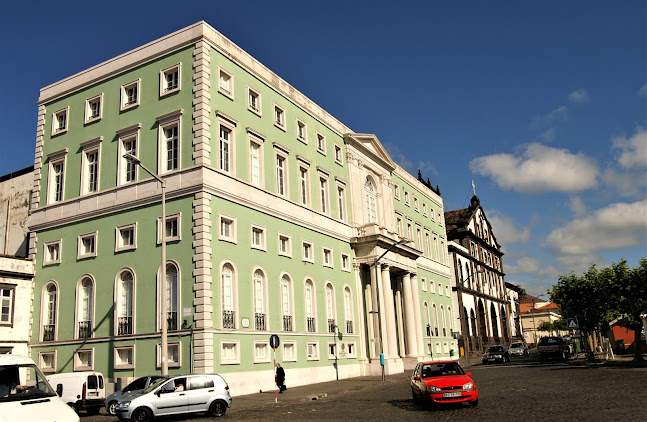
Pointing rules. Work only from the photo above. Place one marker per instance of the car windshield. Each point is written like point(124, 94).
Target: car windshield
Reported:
point(495, 349)
point(23, 382)
point(441, 369)
point(549, 340)
point(516, 346)
point(154, 385)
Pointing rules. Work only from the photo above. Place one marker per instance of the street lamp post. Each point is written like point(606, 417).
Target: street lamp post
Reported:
point(164, 347)
point(462, 316)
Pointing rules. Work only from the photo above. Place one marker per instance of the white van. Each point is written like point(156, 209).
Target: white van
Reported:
point(82, 390)
point(26, 396)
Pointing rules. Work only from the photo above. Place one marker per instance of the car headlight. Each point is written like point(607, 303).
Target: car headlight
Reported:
point(468, 386)
point(433, 389)
point(124, 404)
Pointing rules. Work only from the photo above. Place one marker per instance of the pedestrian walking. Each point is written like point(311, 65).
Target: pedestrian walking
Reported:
point(280, 378)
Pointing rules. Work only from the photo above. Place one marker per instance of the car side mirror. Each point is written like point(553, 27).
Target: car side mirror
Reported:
point(59, 390)
point(469, 374)
point(159, 392)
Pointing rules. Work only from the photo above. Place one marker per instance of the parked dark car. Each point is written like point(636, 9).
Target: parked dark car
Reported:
point(136, 386)
point(553, 347)
point(496, 354)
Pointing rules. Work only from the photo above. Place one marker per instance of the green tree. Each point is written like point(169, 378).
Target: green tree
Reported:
point(546, 326)
point(585, 298)
point(629, 286)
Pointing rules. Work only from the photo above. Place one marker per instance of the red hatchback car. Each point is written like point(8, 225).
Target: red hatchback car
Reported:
point(443, 382)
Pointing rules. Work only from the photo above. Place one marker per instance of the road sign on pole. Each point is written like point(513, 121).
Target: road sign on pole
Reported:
point(274, 343)
point(572, 323)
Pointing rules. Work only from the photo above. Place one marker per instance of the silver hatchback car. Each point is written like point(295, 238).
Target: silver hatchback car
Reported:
point(178, 395)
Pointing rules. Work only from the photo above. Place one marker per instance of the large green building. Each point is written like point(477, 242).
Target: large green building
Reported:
point(275, 216)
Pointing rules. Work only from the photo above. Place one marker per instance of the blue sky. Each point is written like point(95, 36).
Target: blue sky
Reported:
point(542, 104)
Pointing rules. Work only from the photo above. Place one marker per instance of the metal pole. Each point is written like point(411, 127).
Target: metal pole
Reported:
point(276, 396)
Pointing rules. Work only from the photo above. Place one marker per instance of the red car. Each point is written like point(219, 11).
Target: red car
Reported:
point(443, 382)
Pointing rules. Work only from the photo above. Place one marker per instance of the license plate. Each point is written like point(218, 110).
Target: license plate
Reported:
point(452, 394)
point(93, 394)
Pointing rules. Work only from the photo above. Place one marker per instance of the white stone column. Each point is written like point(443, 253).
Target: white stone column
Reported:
point(409, 315)
point(400, 318)
point(361, 312)
point(417, 315)
point(380, 332)
point(388, 313)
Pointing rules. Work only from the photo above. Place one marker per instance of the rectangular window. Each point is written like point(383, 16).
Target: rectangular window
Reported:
point(339, 159)
point(321, 143)
point(398, 219)
point(306, 251)
point(170, 80)
point(341, 202)
point(406, 198)
point(332, 350)
point(262, 352)
point(345, 262)
point(7, 299)
point(279, 117)
point(323, 194)
point(253, 101)
point(424, 209)
point(423, 282)
point(396, 192)
point(225, 83)
point(289, 352)
point(60, 120)
point(258, 238)
point(90, 172)
point(127, 169)
point(312, 350)
point(432, 286)
point(415, 204)
point(419, 239)
point(130, 94)
point(173, 355)
point(52, 253)
point(171, 228)
point(47, 361)
point(87, 247)
point(302, 132)
point(83, 359)
point(56, 180)
point(327, 257)
point(255, 162)
point(281, 175)
point(170, 139)
point(227, 228)
point(304, 185)
point(93, 108)
point(285, 245)
point(124, 357)
point(431, 214)
point(224, 149)
point(229, 352)
point(126, 238)
point(409, 231)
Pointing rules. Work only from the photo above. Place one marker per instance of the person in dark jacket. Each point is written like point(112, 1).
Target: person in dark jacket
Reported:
point(280, 378)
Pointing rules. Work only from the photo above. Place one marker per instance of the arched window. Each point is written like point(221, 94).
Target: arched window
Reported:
point(442, 314)
point(172, 297)
point(348, 309)
point(259, 300)
point(85, 307)
point(228, 296)
point(495, 325)
point(434, 314)
point(371, 203)
point(50, 311)
point(286, 302)
point(473, 321)
point(125, 299)
point(310, 302)
point(330, 308)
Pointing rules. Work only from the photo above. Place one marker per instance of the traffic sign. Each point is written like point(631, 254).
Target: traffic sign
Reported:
point(274, 341)
point(572, 323)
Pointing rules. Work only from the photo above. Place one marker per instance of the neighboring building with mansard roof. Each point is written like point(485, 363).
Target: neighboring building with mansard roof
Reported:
point(483, 302)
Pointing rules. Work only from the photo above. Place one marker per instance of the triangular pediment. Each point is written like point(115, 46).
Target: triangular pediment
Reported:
point(369, 145)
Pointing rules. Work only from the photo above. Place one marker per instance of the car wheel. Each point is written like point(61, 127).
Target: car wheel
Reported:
point(474, 403)
point(112, 407)
point(218, 408)
point(142, 415)
point(416, 399)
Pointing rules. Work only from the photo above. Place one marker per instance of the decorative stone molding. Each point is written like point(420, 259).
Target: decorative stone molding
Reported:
point(201, 108)
point(38, 157)
point(203, 281)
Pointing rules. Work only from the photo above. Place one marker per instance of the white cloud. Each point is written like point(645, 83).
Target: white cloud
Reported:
point(505, 231)
point(548, 135)
point(633, 151)
point(533, 267)
point(626, 184)
point(577, 206)
point(580, 96)
point(617, 226)
point(558, 114)
point(539, 169)
point(642, 92)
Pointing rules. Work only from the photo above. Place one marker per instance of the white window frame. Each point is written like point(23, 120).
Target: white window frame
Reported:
point(41, 361)
point(129, 134)
point(97, 99)
point(44, 313)
point(253, 229)
point(77, 361)
point(169, 121)
point(258, 142)
point(293, 346)
point(301, 124)
point(406, 198)
point(424, 209)
point(120, 365)
point(416, 207)
point(80, 253)
point(233, 238)
point(345, 262)
point(399, 227)
point(323, 188)
point(119, 246)
point(268, 354)
point(124, 105)
point(432, 214)
point(251, 91)
point(288, 238)
point(235, 360)
point(11, 299)
point(227, 92)
point(225, 159)
point(314, 346)
point(46, 255)
point(279, 117)
point(90, 147)
point(79, 305)
point(161, 228)
point(321, 143)
point(56, 126)
point(304, 184)
point(170, 363)
point(341, 201)
point(339, 155)
point(432, 286)
point(327, 255)
point(164, 90)
point(56, 158)
point(423, 283)
point(332, 350)
point(396, 192)
point(310, 246)
point(118, 301)
point(279, 153)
